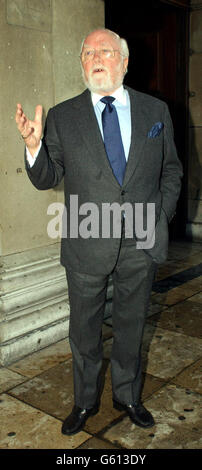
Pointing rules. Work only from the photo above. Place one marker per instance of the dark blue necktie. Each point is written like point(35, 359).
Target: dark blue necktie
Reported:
point(112, 139)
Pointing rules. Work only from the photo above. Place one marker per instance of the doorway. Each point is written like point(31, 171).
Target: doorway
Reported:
point(157, 35)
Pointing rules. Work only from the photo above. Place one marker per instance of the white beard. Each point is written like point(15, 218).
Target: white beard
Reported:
point(105, 83)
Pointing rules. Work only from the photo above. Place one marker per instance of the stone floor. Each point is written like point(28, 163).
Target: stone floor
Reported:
point(36, 393)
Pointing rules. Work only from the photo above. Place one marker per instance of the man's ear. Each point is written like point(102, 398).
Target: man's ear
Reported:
point(125, 61)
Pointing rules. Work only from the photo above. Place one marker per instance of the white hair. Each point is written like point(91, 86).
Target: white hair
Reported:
point(121, 41)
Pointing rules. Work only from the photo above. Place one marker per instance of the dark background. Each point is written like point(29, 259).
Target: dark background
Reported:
point(157, 35)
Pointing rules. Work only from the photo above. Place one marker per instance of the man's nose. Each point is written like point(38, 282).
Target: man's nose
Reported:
point(97, 54)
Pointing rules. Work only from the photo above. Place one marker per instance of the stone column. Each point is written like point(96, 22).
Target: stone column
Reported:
point(40, 45)
point(194, 225)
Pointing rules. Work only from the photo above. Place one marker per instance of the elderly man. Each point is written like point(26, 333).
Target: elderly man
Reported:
point(111, 144)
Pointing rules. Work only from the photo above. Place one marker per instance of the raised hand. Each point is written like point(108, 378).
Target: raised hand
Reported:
point(31, 131)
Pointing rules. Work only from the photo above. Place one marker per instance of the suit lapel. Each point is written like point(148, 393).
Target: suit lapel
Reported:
point(138, 136)
point(88, 126)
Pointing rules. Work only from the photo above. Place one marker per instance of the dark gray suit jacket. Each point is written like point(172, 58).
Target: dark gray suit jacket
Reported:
point(73, 148)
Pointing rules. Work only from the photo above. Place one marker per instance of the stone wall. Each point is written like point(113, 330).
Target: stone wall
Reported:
point(194, 225)
point(40, 45)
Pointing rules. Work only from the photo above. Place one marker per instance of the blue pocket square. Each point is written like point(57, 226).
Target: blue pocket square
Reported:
point(156, 129)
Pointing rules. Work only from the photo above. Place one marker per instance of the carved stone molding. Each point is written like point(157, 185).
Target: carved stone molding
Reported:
point(34, 307)
point(196, 6)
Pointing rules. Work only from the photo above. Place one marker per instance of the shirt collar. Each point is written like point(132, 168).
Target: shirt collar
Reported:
point(119, 95)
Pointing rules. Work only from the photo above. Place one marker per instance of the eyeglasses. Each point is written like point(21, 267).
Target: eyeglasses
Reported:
point(88, 54)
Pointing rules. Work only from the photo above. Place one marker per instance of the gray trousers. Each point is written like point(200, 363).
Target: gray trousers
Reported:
point(132, 277)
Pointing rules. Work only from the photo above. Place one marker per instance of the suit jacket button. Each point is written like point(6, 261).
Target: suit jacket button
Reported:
point(123, 192)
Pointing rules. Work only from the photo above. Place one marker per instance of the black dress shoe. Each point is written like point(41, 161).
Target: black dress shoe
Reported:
point(137, 413)
point(76, 420)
